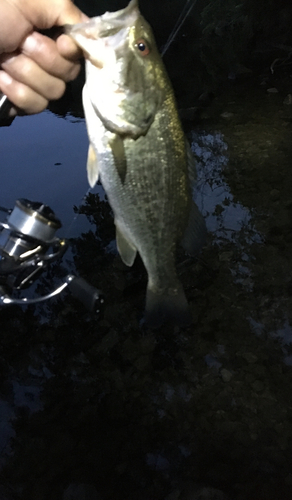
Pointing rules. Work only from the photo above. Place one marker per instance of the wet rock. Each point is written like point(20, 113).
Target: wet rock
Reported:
point(81, 358)
point(288, 100)
point(212, 362)
point(226, 375)
point(227, 115)
point(225, 256)
point(288, 204)
point(258, 386)
point(80, 491)
point(108, 341)
point(141, 363)
point(157, 462)
point(275, 194)
point(238, 71)
point(272, 90)
point(250, 357)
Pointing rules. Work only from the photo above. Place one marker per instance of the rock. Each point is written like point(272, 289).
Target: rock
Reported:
point(250, 357)
point(258, 386)
point(288, 100)
point(225, 256)
point(227, 115)
point(226, 375)
point(275, 194)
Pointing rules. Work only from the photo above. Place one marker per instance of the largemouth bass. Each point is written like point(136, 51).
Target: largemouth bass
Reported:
point(139, 152)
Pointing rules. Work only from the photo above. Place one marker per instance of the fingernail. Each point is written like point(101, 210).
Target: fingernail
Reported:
point(8, 58)
point(5, 79)
point(30, 44)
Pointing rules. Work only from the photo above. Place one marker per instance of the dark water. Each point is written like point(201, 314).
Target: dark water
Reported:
point(100, 409)
point(92, 405)
point(42, 159)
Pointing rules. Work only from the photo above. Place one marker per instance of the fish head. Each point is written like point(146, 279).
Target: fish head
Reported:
point(125, 77)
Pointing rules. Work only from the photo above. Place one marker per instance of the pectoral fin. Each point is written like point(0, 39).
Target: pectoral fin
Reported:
point(126, 248)
point(92, 166)
point(117, 146)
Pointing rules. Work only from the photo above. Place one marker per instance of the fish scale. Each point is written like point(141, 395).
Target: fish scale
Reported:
point(138, 148)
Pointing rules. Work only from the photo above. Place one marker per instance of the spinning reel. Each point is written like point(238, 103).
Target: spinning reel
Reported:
point(28, 245)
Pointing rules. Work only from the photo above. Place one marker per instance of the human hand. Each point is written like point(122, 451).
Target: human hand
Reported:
point(35, 68)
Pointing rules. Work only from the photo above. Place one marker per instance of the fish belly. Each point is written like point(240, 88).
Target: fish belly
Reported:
point(151, 211)
point(151, 206)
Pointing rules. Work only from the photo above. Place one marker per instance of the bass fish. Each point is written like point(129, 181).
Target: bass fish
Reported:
point(138, 150)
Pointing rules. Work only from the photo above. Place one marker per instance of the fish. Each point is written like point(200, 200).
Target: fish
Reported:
point(139, 152)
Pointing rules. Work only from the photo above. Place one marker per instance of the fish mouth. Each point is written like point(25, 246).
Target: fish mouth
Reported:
point(107, 25)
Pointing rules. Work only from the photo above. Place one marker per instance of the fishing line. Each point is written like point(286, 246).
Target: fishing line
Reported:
point(183, 15)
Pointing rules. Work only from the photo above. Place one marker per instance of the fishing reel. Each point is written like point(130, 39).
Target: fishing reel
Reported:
point(28, 245)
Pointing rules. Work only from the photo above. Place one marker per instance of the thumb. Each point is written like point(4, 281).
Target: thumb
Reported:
point(69, 14)
point(44, 14)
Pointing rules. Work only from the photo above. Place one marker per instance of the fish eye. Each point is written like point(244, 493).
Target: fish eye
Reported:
point(143, 47)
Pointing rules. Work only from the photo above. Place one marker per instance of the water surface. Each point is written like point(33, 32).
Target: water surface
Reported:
point(99, 405)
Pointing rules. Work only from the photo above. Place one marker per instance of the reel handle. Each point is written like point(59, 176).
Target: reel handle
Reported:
point(90, 297)
point(5, 106)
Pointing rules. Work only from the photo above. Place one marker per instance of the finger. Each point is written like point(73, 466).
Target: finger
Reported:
point(44, 51)
point(43, 14)
point(21, 95)
point(13, 27)
point(26, 71)
point(71, 15)
point(68, 48)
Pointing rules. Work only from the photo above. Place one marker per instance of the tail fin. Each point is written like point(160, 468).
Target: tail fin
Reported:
point(170, 306)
